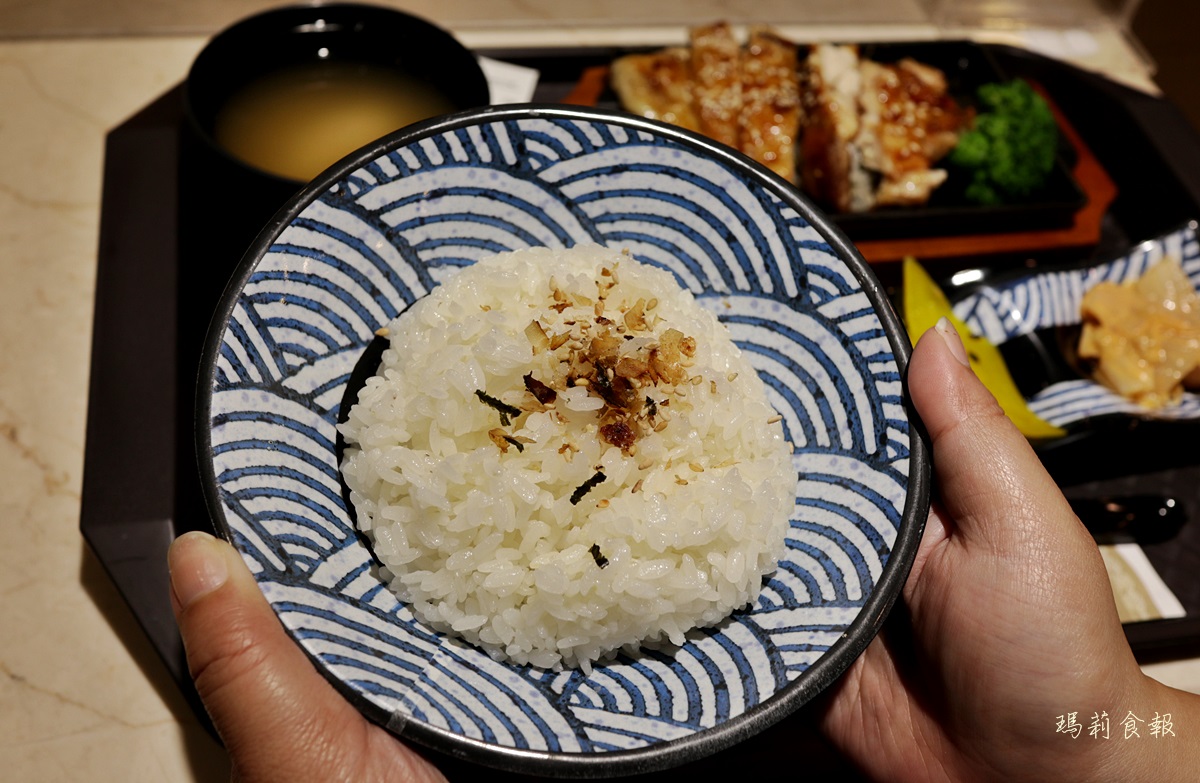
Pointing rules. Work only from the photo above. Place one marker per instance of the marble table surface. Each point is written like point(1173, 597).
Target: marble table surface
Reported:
point(82, 691)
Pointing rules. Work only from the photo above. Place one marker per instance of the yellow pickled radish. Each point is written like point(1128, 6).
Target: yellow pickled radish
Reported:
point(924, 303)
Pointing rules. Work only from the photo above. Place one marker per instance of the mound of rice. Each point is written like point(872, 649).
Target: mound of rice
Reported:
point(563, 455)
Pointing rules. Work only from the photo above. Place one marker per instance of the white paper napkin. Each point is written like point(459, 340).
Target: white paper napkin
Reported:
point(1140, 592)
point(509, 83)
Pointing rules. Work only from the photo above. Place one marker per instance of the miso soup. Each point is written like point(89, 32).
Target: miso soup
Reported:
point(297, 121)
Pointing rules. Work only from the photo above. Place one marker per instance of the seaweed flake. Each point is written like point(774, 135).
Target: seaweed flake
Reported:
point(586, 487)
point(600, 559)
point(505, 410)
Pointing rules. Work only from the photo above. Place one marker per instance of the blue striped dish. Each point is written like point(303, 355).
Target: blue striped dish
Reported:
point(1027, 303)
point(378, 231)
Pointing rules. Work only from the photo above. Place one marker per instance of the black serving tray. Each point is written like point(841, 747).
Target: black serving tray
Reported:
point(164, 259)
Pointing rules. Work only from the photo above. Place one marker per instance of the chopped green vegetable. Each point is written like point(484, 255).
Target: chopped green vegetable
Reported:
point(1010, 151)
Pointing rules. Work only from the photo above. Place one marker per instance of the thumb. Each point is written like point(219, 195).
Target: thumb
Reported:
point(279, 718)
point(253, 679)
point(992, 484)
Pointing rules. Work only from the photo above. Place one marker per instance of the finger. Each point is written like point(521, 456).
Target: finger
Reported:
point(991, 482)
point(258, 686)
point(279, 718)
point(1015, 552)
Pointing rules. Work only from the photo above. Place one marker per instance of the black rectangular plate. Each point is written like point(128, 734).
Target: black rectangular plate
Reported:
point(967, 66)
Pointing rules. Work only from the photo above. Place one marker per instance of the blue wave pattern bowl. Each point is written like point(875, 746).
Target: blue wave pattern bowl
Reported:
point(1028, 303)
point(382, 228)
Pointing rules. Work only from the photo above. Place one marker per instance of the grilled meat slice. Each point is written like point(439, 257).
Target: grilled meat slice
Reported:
point(769, 120)
point(831, 168)
point(657, 85)
point(908, 123)
point(717, 82)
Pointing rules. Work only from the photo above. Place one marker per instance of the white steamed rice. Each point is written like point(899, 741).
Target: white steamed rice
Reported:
point(482, 539)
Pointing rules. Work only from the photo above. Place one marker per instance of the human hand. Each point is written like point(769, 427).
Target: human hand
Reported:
point(1007, 619)
point(279, 718)
point(1007, 622)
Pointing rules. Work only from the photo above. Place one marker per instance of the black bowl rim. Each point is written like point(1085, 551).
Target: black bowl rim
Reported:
point(280, 19)
point(662, 755)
